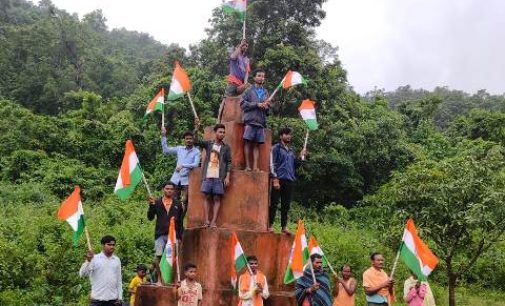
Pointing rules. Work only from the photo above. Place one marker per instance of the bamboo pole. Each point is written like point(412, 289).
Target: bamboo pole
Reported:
point(192, 106)
point(88, 239)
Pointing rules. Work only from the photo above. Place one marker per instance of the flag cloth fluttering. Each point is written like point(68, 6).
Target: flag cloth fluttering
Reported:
point(180, 83)
point(238, 259)
point(292, 78)
point(308, 112)
point(130, 173)
point(169, 256)
point(315, 248)
point(416, 254)
point(72, 212)
point(156, 103)
point(298, 255)
point(235, 6)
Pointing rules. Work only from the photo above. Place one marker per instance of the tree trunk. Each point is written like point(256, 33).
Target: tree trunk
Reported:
point(452, 277)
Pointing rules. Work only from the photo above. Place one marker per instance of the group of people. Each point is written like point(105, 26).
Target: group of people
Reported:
point(313, 288)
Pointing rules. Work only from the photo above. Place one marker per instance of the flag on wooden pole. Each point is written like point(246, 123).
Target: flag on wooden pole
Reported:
point(235, 7)
point(180, 83)
point(156, 103)
point(130, 173)
point(298, 256)
point(238, 259)
point(168, 258)
point(72, 212)
point(292, 78)
point(308, 112)
point(415, 253)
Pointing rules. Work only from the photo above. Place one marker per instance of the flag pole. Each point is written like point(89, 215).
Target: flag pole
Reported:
point(177, 258)
point(243, 24)
point(331, 268)
point(273, 93)
point(163, 108)
point(305, 143)
point(312, 271)
point(163, 115)
point(146, 184)
point(88, 240)
point(192, 105)
point(395, 263)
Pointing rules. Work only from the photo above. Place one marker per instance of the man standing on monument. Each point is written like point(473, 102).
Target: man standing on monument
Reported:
point(215, 173)
point(239, 69)
point(188, 158)
point(255, 105)
point(164, 209)
point(239, 73)
point(283, 164)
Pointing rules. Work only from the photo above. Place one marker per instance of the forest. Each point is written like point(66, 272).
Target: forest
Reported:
point(72, 91)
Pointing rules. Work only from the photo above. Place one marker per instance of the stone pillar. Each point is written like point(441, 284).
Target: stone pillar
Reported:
point(244, 210)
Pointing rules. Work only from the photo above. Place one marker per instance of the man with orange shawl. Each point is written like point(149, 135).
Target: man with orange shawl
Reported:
point(378, 285)
point(253, 288)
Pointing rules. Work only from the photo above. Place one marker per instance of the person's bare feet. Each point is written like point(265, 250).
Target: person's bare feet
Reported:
point(247, 169)
point(286, 231)
point(213, 225)
point(271, 229)
point(256, 170)
point(158, 283)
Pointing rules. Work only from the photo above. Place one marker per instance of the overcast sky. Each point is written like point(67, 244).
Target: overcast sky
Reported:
point(382, 43)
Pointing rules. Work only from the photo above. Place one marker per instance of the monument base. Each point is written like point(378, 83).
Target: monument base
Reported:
point(210, 250)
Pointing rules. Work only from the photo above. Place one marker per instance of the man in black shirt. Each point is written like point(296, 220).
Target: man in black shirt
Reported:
point(164, 209)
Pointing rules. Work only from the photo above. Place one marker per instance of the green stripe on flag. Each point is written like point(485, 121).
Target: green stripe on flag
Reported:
point(135, 177)
point(240, 263)
point(312, 124)
point(166, 269)
point(79, 231)
point(288, 275)
point(411, 260)
point(173, 96)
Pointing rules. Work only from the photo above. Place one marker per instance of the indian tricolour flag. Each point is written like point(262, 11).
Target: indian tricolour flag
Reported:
point(416, 254)
point(156, 103)
point(315, 248)
point(180, 83)
point(308, 112)
point(130, 173)
point(71, 211)
point(235, 6)
point(292, 78)
point(298, 255)
point(238, 259)
point(169, 256)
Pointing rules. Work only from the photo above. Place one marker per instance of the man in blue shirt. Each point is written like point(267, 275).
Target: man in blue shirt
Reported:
point(283, 164)
point(255, 105)
point(188, 157)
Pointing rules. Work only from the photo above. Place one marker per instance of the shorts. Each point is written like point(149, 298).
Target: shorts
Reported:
point(254, 134)
point(159, 245)
point(213, 186)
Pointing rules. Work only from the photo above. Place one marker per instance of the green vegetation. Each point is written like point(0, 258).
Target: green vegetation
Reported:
point(72, 91)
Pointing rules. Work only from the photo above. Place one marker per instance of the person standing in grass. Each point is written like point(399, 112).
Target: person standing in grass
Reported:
point(345, 288)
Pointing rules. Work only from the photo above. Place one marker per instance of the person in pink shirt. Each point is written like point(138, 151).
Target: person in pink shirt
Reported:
point(416, 294)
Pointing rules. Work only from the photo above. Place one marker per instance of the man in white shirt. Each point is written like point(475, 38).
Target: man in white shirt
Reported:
point(104, 271)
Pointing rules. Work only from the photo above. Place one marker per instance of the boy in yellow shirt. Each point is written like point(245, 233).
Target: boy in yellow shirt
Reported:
point(139, 279)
